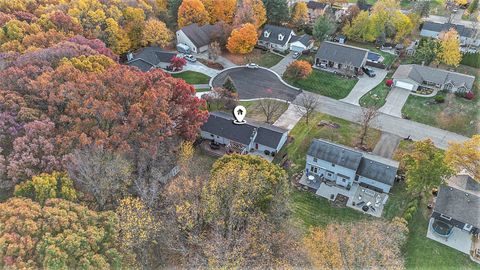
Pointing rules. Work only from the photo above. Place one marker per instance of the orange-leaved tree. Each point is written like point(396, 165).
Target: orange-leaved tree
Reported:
point(299, 69)
point(243, 39)
point(192, 11)
point(220, 10)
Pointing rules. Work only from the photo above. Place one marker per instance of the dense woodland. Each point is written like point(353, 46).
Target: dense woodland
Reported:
point(86, 142)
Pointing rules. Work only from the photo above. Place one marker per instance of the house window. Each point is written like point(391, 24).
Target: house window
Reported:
point(212, 135)
point(280, 37)
point(356, 177)
point(445, 217)
point(448, 86)
point(315, 159)
point(314, 169)
point(266, 34)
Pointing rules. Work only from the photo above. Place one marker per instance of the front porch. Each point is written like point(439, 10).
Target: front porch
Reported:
point(359, 198)
point(457, 238)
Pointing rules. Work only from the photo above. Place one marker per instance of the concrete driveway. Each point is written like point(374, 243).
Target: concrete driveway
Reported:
point(364, 85)
point(387, 144)
point(395, 101)
point(281, 66)
point(256, 83)
point(289, 118)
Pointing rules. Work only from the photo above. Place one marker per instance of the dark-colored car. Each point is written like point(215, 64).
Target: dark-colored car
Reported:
point(214, 146)
point(370, 73)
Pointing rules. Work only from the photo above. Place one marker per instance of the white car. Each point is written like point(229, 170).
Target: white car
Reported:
point(252, 65)
point(190, 58)
point(295, 55)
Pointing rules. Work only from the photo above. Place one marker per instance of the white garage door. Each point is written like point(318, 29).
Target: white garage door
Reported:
point(296, 48)
point(404, 85)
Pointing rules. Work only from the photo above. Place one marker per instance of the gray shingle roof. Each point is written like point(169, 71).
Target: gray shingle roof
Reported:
point(274, 31)
point(202, 35)
point(378, 171)
point(221, 124)
point(462, 30)
point(316, 5)
point(140, 64)
point(146, 58)
point(341, 53)
point(460, 205)
point(335, 153)
point(304, 39)
point(420, 73)
point(466, 183)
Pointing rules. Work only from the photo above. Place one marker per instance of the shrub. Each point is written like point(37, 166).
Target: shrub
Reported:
point(470, 95)
point(267, 152)
point(439, 99)
point(389, 82)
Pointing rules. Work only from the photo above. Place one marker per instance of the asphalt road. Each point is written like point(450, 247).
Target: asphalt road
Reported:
point(256, 83)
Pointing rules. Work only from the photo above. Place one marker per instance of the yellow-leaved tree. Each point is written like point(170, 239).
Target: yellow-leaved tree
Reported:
point(47, 186)
point(465, 156)
point(300, 14)
point(192, 11)
point(156, 33)
point(250, 11)
point(243, 39)
point(220, 10)
point(450, 48)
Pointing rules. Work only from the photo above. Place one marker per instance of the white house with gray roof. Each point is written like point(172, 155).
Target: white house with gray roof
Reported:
point(250, 137)
point(275, 37)
point(411, 77)
point(455, 220)
point(342, 57)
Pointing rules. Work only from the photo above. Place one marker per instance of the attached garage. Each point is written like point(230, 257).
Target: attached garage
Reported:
point(295, 48)
point(405, 85)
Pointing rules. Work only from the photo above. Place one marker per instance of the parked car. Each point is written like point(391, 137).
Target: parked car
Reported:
point(370, 73)
point(295, 55)
point(190, 58)
point(252, 65)
point(182, 48)
point(214, 145)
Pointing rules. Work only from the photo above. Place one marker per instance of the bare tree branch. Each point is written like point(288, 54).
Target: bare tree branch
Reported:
point(308, 105)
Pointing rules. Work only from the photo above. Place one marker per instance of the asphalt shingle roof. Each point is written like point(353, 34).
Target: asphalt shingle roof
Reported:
point(378, 171)
point(274, 32)
point(316, 5)
point(420, 73)
point(341, 53)
point(462, 30)
point(458, 204)
point(140, 64)
point(202, 35)
point(146, 58)
point(335, 153)
point(221, 124)
point(304, 39)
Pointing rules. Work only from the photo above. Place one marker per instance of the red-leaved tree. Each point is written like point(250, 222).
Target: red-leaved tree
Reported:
point(177, 63)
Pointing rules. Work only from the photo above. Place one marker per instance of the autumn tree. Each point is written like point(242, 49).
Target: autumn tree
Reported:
point(425, 167)
point(323, 27)
point(243, 39)
point(360, 28)
point(156, 33)
point(115, 37)
point(100, 173)
point(299, 69)
point(426, 52)
point(277, 11)
point(307, 106)
point(250, 11)
point(229, 85)
point(360, 245)
point(91, 63)
point(221, 98)
point(177, 63)
point(465, 156)
point(47, 186)
point(60, 234)
point(139, 230)
point(299, 15)
point(214, 50)
point(368, 115)
point(449, 52)
point(192, 11)
point(220, 10)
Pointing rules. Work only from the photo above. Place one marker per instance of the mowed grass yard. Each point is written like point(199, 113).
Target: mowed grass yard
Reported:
point(257, 56)
point(325, 83)
point(377, 96)
point(255, 112)
point(192, 77)
point(303, 134)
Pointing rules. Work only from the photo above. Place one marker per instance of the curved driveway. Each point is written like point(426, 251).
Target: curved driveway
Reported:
point(256, 83)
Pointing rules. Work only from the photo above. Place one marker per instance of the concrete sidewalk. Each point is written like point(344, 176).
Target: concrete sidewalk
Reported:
point(289, 118)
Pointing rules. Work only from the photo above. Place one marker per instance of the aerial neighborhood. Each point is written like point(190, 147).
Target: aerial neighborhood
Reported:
point(239, 134)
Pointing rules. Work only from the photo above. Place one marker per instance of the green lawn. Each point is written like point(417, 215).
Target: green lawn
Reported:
point(325, 83)
point(456, 114)
point(377, 96)
point(200, 90)
point(254, 111)
point(258, 56)
point(267, 59)
point(303, 134)
point(192, 77)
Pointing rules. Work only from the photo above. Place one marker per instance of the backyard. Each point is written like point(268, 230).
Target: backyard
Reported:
point(258, 56)
point(345, 133)
point(377, 96)
point(192, 77)
point(325, 83)
point(388, 57)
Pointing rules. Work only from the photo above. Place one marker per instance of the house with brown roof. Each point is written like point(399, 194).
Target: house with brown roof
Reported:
point(198, 37)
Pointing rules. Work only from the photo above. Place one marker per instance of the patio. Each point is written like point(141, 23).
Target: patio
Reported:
point(359, 198)
point(458, 239)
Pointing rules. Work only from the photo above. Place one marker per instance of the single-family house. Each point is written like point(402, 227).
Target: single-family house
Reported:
point(455, 220)
point(332, 169)
point(246, 138)
point(148, 58)
point(468, 36)
point(301, 43)
point(316, 9)
point(198, 37)
point(411, 77)
point(342, 57)
point(275, 37)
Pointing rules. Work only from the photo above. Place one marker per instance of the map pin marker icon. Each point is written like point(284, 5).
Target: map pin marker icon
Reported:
point(239, 112)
